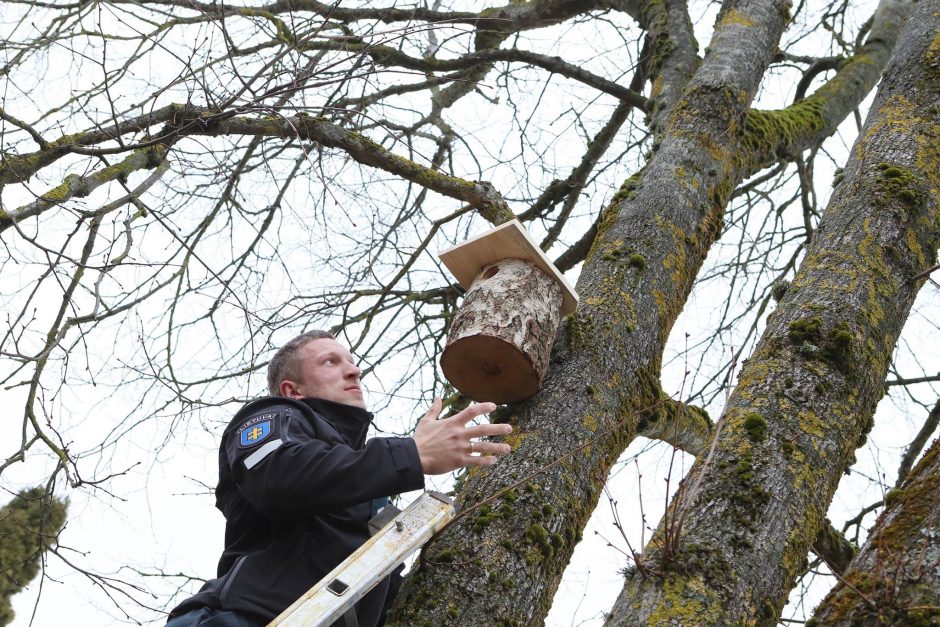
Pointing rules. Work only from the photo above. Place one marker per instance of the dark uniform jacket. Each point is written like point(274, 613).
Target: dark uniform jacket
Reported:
point(297, 482)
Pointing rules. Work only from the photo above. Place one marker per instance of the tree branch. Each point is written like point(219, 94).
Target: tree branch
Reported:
point(480, 194)
point(917, 445)
point(388, 56)
point(75, 185)
point(769, 135)
point(684, 426)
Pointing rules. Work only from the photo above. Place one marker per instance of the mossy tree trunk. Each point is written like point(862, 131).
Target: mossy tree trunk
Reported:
point(895, 579)
point(737, 534)
point(503, 563)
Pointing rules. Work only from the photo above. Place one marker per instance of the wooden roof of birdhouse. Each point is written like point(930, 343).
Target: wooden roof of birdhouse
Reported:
point(507, 241)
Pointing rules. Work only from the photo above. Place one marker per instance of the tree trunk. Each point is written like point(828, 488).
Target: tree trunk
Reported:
point(503, 563)
point(737, 533)
point(895, 579)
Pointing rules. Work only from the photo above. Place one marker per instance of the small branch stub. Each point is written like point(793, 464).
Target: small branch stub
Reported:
point(502, 335)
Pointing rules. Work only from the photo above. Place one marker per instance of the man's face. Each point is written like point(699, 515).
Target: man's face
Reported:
point(326, 371)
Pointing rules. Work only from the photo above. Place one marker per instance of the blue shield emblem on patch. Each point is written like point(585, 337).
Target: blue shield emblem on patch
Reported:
point(255, 433)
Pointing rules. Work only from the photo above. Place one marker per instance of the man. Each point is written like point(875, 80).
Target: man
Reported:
point(298, 484)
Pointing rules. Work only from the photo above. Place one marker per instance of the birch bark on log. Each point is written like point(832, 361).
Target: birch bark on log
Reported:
point(502, 336)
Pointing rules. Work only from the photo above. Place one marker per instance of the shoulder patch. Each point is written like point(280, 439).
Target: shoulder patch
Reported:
point(256, 429)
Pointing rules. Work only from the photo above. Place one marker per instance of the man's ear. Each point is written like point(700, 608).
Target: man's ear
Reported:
point(289, 389)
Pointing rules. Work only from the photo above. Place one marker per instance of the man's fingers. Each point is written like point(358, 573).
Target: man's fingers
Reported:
point(473, 411)
point(444, 445)
point(491, 448)
point(481, 460)
point(434, 411)
point(480, 431)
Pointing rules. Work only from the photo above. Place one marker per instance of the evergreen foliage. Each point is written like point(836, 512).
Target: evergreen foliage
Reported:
point(29, 524)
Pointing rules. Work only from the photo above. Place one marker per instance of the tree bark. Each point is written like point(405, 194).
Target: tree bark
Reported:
point(895, 579)
point(737, 533)
point(502, 564)
point(673, 52)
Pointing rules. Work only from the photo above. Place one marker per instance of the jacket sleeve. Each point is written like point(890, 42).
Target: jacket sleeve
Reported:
point(287, 472)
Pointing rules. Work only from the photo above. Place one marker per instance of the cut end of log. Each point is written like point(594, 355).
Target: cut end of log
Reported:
point(486, 368)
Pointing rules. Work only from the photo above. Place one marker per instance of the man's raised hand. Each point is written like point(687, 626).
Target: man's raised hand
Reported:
point(445, 445)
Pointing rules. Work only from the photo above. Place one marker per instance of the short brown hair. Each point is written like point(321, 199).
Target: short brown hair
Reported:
point(283, 365)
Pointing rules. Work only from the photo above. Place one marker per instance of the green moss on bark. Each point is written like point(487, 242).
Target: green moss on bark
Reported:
point(805, 330)
point(836, 347)
point(766, 132)
point(896, 182)
point(756, 427)
point(29, 525)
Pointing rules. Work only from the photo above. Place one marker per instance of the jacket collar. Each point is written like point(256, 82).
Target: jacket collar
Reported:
point(351, 422)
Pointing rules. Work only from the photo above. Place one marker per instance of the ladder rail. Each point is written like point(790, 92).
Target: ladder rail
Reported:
point(336, 593)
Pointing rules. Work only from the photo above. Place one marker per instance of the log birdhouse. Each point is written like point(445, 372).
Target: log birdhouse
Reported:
point(502, 335)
